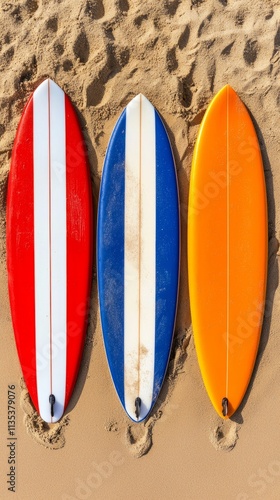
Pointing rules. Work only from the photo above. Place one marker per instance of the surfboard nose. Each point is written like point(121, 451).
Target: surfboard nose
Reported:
point(226, 89)
point(139, 99)
point(47, 83)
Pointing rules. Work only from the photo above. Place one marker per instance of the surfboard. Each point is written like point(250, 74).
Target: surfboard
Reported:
point(227, 249)
point(49, 247)
point(138, 255)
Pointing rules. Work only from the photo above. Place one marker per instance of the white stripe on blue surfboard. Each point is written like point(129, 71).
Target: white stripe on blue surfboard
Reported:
point(140, 265)
point(50, 246)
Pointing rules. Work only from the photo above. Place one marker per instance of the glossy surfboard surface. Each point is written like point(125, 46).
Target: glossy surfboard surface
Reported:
point(49, 247)
point(227, 249)
point(138, 255)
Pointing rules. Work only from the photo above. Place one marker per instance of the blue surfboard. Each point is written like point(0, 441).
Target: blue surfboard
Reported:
point(138, 247)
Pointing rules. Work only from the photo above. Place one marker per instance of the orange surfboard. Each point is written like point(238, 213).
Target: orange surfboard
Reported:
point(227, 249)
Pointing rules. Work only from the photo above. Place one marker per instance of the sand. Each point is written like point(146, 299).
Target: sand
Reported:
point(179, 54)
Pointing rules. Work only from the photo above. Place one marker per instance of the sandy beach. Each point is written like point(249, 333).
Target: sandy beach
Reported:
point(179, 54)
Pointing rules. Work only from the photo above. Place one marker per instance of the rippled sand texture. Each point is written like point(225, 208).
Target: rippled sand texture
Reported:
point(178, 54)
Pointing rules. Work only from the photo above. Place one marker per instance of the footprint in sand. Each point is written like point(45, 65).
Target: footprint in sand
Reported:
point(31, 6)
point(19, 12)
point(139, 439)
point(81, 48)
point(197, 3)
point(48, 435)
point(250, 52)
point(227, 49)
point(269, 14)
point(204, 25)
point(185, 89)
point(2, 129)
point(139, 20)
point(225, 436)
point(95, 92)
point(28, 72)
point(211, 73)
point(67, 65)
point(240, 17)
point(8, 55)
point(277, 41)
point(184, 38)
point(94, 9)
point(171, 60)
point(52, 24)
point(116, 59)
point(175, 55)
point(58, 49)
point(171, 6)
point(123, 6)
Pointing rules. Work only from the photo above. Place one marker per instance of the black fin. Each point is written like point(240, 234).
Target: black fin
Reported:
point(225, 406)
point(137, 407)
point(52, 402)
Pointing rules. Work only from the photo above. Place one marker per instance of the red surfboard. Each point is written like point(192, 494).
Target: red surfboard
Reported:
point(49, 247)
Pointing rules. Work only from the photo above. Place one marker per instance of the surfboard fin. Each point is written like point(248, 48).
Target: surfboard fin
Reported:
point(137, 407)
point(52, 402)
point(225, 406)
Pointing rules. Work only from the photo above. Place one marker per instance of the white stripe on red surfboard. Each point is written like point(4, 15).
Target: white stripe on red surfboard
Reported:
point(140, 251)
point(50, 246)
point(58, 245)
point(41, 245)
